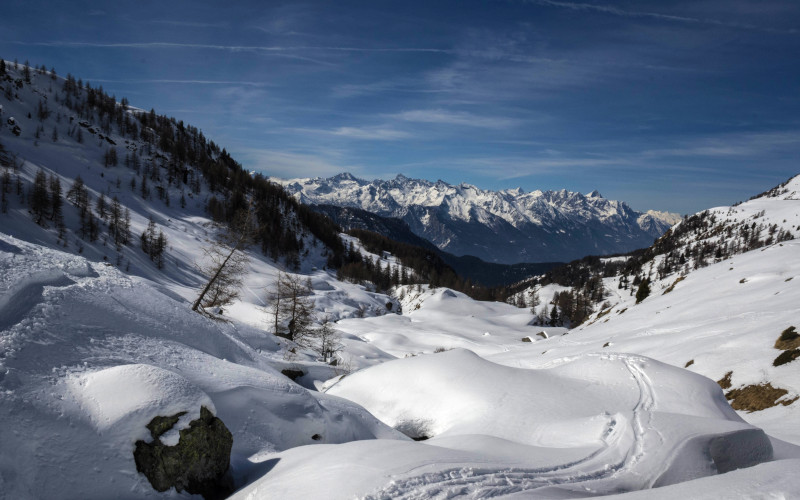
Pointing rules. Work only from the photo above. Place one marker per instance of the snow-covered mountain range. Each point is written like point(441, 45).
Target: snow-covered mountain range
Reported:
point(506, 226)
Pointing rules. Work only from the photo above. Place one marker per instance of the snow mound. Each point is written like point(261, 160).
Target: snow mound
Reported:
point(607, 422)
point(148, 392)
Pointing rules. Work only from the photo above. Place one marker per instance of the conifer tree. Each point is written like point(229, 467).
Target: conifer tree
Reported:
point(102, 206)
point(226, 263)
point(5, 189)
point(116, 223)
point(56, 202)
point(40, 201)
point(643, 291)
point(78, 195)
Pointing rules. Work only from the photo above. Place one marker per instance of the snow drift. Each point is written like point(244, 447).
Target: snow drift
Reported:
point(599, 424)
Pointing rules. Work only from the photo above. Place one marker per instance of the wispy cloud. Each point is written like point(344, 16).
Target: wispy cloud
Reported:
point(442, 116)
point(732, 145)
point(616, 11)
point(378, 133)
point(290, 164)
point(183, 82)
point(188, 24)
point(234, 48)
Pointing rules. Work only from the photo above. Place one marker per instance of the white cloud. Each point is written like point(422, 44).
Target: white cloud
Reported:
point(454, 118)
point(290, 164)
point(378, 133)
point(616, 11)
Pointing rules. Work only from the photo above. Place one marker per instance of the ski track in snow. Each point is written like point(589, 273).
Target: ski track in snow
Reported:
point(477, 482)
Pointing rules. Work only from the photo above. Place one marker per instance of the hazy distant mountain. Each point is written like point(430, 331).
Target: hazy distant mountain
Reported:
point(506, 226)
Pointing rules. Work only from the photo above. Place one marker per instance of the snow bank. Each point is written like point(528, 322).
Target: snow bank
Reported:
point(123, 399)
point(88, 356)
point(606, 423)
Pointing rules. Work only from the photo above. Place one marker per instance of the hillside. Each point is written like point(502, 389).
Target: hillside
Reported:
point(489, 274)
point(540, 226)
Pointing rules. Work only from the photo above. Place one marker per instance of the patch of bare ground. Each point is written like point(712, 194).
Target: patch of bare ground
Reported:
point(690, 363)
point(786, 357)
point(789, 339)
point(758, 397)
point(725, 382)
point(672, 286)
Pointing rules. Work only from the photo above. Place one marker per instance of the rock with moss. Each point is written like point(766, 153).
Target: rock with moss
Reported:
point(199, 462)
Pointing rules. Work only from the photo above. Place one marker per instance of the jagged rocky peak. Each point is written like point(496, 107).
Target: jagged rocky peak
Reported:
point(502, 226)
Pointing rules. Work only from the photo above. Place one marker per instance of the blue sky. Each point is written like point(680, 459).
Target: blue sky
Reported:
point(668, 105)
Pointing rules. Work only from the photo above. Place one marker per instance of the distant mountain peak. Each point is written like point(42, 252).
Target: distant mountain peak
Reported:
point(344, 176)
point(498, 226)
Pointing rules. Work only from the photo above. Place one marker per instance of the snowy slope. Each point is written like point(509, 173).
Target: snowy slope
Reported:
point(88, 356)
point(465, 220)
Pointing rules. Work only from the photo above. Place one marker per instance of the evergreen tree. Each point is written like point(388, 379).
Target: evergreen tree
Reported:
point(116, 223)
point(643, 291)
point(554, 317)
point(55, 201)
point(102, 206)
point(5, 189)
point(40, 201)
point(126, 227)
point(78, 195)
point(154, 243)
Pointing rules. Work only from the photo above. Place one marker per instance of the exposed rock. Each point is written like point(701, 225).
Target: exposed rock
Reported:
point(197, 464)
point(292, 374)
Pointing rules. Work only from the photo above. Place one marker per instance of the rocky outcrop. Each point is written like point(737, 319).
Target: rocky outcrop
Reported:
point(199, 462)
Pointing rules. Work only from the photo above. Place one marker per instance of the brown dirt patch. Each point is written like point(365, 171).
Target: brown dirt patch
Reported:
point(789, 339)
point(786, 357)
point(690, 363)
point(725, 382)
point(757, 397)
point(672, 286)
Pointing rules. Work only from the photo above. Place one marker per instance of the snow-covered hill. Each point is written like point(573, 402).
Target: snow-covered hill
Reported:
point(507, 226)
